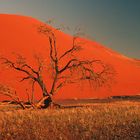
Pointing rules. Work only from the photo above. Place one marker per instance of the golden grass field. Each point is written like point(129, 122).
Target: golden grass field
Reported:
point(118, 120)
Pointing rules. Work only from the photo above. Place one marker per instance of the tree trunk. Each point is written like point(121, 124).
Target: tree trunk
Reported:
point(47, 102)
point(44, 102)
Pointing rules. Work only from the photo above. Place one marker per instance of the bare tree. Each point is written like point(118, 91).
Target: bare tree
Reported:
point(74, 69)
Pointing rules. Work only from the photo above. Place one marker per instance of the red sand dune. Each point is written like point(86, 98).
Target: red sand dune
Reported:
point(18, 34)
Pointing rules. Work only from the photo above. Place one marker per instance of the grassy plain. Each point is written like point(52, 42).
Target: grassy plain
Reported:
point(117, 120)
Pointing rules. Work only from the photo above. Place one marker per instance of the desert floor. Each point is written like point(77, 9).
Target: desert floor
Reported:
point(107, 119)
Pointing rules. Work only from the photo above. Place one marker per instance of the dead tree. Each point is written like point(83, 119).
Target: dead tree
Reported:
point(74, 69)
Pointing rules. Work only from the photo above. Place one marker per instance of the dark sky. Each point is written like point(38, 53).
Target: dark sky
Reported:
point(114, 23)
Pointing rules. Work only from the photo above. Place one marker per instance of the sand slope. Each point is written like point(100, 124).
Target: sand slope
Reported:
point(18, 35)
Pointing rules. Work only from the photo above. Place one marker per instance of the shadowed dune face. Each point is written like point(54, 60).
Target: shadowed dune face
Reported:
point(19, 35)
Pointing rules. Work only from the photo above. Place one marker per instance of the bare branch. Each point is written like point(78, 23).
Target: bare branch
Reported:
point(67, 66)
point(74, 48)
point(25, 78)
point(26, 65)
point(51, 50)
point(6, 91)
point(60, 86)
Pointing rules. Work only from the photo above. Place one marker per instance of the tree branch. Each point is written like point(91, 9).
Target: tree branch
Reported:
point(71, 50)
point(6, 91)
point(67, 66)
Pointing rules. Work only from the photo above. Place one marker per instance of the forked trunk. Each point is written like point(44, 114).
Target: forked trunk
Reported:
point(46, 101)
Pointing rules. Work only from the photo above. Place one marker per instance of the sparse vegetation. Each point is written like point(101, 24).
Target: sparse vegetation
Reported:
point(101, 121)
